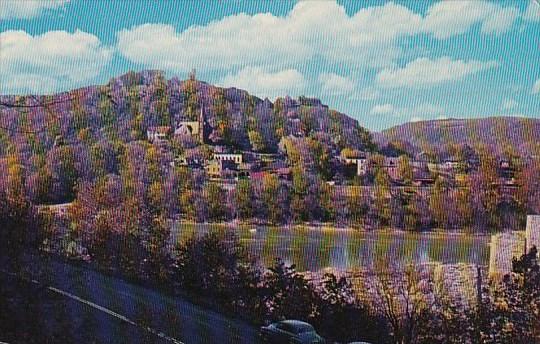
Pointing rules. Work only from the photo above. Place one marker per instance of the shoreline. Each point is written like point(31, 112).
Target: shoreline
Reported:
point(331, 227)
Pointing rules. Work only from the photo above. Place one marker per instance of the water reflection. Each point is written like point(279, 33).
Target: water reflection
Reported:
point(320, 248)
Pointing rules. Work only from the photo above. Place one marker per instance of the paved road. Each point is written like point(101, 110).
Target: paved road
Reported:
point(115, 311)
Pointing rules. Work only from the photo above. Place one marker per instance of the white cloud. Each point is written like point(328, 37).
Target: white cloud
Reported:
point(536, 87)
point(533, 12)
point(509, 104)
point(500, 20)
point(383, 109)
point(368, 38)
point(19, 9)
point(424, 72)
point(335, 84)
point(43, 63)
point(267, 84)
point(449, 18)
point(416, 119)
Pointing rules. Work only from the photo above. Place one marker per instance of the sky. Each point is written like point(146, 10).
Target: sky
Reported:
point(383, 63)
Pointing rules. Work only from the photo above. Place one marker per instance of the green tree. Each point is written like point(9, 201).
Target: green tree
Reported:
point(162, 100)
point(405, 169)
point(256, 140)
point(243, 197)
point(438, 202)
point(215, 198)
point(382, 195)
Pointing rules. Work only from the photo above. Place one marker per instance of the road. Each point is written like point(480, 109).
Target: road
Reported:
point(80, 305)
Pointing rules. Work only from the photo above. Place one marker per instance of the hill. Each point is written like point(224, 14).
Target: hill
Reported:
point(498, 134)
point(131, 103)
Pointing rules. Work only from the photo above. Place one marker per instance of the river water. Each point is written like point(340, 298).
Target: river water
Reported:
point(314, 249)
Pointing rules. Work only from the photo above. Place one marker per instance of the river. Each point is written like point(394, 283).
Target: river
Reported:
point(314, 249)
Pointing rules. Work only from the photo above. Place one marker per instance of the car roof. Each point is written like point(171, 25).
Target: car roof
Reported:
point(295, 323)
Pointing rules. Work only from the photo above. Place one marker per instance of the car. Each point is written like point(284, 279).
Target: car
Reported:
point(290, 332)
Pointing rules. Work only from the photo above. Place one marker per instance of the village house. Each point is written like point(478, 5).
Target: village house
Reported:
point(158, 134)
point(422, 177)
point(235, 157)
point(221, 169)
point(391, 167)
point(362, 165)
point(195, 129)
point(55, 209)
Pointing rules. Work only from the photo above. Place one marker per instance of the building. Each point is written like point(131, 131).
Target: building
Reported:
point(188, 128)
point(235, 157)
point(224, 169)
point(362, 165)
point(390, 165)
point(55, 209)
point(158, 134)
point(532, 233)
point(505, 246)
point(195, 129)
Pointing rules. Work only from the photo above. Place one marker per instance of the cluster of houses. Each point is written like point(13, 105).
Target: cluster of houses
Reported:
point(224, 165)
point(424, 171)
point(228, 166)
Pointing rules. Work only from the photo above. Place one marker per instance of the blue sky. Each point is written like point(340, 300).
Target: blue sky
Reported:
point(383, 63)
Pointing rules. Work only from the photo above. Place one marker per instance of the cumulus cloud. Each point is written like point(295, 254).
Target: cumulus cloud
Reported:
point(43, 63)
point(19, 9)
point(383, 109)
point(536, 87)
point(267, 84)
point(335, 84)
point(533, 12)
point(424, 72)
point(449, 18)
point(368, 38)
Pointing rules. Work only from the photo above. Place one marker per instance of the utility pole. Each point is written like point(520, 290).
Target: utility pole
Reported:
point(479, 310)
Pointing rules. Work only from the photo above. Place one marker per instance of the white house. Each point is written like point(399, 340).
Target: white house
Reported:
point(157, 134)
point(235, 157)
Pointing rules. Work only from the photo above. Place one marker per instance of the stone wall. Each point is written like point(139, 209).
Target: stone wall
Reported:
point(503, 247)
point(532, 233)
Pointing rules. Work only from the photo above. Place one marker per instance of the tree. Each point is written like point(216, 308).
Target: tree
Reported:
point(512, 310)
point(382, 195)
point(256, 140)
point(209, 265)
point(342, 317)
point(243, 199)
point(272, 199)
point(191, 99)
point(159, 258)
point(438, 202)
point(358, 205)
point(223, 125)
point(528, 194)
point(405, 169)
point(288, 293)
point(401, 299)
point(17, 231)
point(161, 100)
point(215, 199)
